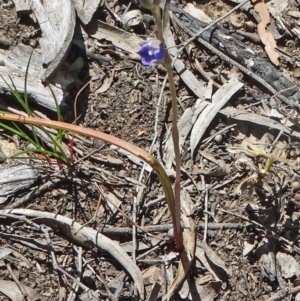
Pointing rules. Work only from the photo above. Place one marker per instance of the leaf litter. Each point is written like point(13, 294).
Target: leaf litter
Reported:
point(225, 141)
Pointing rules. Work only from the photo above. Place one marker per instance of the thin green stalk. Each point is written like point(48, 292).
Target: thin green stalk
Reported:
point(157, 16)
point(175, 135)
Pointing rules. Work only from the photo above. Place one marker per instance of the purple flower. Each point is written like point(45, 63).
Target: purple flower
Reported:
point(152, 53)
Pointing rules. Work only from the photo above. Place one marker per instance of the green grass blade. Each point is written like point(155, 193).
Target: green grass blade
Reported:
point(25, 81)
point(17, 131)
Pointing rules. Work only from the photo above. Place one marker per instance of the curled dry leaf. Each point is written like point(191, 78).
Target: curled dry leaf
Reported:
point(132, 18)
point(266, 37)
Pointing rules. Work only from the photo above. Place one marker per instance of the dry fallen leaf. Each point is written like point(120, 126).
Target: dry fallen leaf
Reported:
point(197, 13)
point(266, 37)
point(209, 291)
point(289, 266)
point(106, 84)
point(12, 291)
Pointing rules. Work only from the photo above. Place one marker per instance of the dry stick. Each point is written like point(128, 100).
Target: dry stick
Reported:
point(18, 283)
point(205, 216)
point(134, 226)
point(241, 67)
point(199, 33)
point(205, 205)
point(109, 293)
point(278, 136)
point(166, 227)
point(125, 215)
point(75, 117)
point(199, 67)
point(95, 214)
point(75, 286)
point(284, 293)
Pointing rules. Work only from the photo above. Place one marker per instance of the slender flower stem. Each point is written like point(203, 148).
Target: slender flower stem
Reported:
point(175, 135)
point(157, 16)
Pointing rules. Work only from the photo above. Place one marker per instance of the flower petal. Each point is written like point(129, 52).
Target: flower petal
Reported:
point(152, 52)
point(159, 54)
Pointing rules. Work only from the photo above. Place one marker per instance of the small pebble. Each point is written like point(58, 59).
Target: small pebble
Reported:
point(122, 173)
point(218, 138)
point(295, 186)
point(250, 26)
point(297, 197)
point(170, 233)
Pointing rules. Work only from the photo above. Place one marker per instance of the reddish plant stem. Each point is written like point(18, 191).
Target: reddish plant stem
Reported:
point(133, 149)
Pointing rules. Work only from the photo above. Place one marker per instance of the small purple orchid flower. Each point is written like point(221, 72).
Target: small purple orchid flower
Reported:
point(152, 53)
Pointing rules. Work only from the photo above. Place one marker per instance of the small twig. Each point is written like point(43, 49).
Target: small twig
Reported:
point(75, 287)
point(278, 136)
point(95, 214)
point(57, 268)
point(199, 67)
point(199, 33)
point(166, 227)
point(18, 283)
point(284, 293)
point(37, 191)
point(243, 271)
point(112, 12)
point(205, 216)
point(101, 279)
point(76, 98)
point(136, 200)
